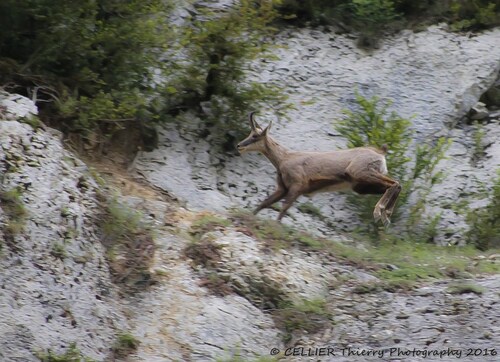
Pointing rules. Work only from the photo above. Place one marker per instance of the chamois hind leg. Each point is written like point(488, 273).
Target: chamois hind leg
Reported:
point(374, 182)
point(385, 206)
point(274, 197)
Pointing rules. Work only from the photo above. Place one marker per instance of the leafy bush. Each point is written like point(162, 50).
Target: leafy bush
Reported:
point(484, 223)
point(371, 17)
point(89, 64)
point(124, 345)
point(372, 124)
point(221, 47)
point(474, 14)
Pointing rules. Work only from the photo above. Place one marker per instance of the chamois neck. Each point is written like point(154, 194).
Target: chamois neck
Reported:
point(275, 152)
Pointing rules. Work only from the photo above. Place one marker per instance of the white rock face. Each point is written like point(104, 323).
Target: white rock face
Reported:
point(49, 301)
point(433, 76)
point(15, 106)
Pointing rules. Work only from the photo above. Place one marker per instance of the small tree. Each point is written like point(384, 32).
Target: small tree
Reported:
point(221, 47)
point(372, 124)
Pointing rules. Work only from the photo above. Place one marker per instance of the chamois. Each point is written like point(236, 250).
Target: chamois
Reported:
point(361, 169)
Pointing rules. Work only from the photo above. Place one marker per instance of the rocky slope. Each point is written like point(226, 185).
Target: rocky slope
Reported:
point(218, 287)
point(55, 283)
point(435, 76)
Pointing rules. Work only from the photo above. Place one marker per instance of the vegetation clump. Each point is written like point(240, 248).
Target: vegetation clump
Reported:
point(222, 47)
point(372, 18)
point(129, 243)
point(464, 288)
point(72, 354)
point(100, 69)
point(125, 344)
point(295, 318)
point(15, 213)
point(372, 124)
point(88, 65)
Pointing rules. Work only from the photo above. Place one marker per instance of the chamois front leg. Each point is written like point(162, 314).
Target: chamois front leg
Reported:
point(291, 196)
point(274, 197)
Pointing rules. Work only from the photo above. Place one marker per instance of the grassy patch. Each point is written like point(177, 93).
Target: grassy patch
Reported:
point(309, 208)
point(398, 263)
point(484, 223)
point(309, 316)
point(59, 251)
point(274, 234)
point(130, 245)
point(13, 207)
point(463, 288)
point(125, 344)
point(32, 121)
point(206, 223)
point(72, 354)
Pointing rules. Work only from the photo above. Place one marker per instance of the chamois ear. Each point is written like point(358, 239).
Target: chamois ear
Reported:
point(264, 133)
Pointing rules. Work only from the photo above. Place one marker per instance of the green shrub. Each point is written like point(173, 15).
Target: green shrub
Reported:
point(15, 213)
point(125, 344)
point(462, 288)
point(221, 47)
point(306, 315)
point(88, 64)
point(484, 223)
point(474, 14)
point(371, 124)
point(371, 17)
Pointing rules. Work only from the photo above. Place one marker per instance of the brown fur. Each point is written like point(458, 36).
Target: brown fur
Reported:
point(360, 169)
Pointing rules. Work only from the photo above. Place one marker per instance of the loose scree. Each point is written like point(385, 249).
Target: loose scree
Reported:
point(361, 169)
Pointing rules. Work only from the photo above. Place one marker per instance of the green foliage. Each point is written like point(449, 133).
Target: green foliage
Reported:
point(484, 223)
point(12, 205)
point(274, 234)
point(372, 17)
point(221, 47)
point(59, 251)
point(463, 288)
point(72, 354)
point(129, 243)
point(88, 63)
point(474, 14)
point(372, 124)
point(309, 208)
point(478, 137)
point(125, 344)
point(306, 315)
point(206, 223)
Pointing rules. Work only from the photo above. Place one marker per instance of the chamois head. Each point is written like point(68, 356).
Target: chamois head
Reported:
point(256, 139)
